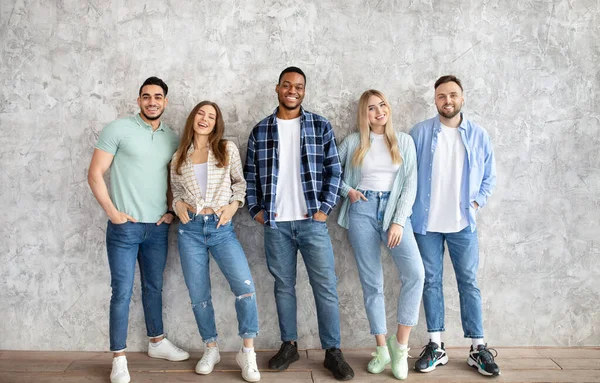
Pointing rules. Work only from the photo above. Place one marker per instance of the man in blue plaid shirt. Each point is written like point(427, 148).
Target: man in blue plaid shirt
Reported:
point(293, 174)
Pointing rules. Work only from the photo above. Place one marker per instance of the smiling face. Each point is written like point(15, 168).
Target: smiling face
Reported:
point(449, 99)
point(290, 91)
point(152, 102)
point(205, 120)
point(378, 113)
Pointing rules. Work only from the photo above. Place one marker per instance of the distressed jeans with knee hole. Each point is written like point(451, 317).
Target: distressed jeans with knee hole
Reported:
point(195, 240)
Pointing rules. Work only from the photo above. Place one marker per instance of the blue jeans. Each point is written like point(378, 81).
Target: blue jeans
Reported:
point(365, 231)
point(147, 244)
point(464, 254)
point(281, 246)
point(196, 238)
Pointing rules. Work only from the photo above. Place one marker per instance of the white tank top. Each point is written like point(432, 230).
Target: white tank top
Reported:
point(201, 172)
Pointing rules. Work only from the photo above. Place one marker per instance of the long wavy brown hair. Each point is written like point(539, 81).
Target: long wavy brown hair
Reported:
point(215, 140)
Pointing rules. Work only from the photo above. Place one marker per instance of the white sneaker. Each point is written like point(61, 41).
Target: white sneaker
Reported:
point(167, 350)
point(247, 362)
point(209, 359)
point(119, 373)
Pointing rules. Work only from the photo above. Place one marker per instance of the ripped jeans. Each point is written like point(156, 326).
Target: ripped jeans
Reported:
point(196, 238)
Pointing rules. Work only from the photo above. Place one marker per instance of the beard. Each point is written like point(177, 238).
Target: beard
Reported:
point(149, 118)
point(445, 114)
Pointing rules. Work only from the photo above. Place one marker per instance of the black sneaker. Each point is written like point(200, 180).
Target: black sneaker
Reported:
point(431, 356)
point(335, 362)
point(483, 360)
point(287, 354)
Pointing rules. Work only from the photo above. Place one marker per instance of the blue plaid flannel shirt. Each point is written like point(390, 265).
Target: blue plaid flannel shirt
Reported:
point(319, 164)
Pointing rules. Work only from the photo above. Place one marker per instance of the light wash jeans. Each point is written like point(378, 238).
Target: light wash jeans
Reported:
point(281, 246)
point(196, 238)
point(366, 235)
point(464, 254)
point(147, 244)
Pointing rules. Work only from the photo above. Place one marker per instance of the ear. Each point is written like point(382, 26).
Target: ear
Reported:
point(166, 101)
point(139, 102)
point(277, 88)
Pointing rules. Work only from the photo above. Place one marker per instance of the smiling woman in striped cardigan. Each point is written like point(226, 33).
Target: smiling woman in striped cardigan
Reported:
point(379, 187)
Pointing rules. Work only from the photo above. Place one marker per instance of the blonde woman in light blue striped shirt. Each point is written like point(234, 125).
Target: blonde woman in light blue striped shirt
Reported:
point(379, 187)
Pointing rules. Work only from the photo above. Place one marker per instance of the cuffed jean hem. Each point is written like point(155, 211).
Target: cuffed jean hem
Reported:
point(408, 325)
point(289, 339)
point(375, 333)
point(248, 335)
point(437, 330)
point(121, 350)
point(214, 339)
point(156, 336)
point(474, 336)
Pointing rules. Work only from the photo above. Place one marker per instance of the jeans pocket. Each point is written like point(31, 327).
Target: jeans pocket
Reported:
point(117, 224)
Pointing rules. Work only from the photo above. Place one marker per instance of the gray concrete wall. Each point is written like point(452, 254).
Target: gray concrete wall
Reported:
point(531, 75)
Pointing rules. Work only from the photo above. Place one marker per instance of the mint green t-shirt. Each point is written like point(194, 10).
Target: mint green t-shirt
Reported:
point(138, 173)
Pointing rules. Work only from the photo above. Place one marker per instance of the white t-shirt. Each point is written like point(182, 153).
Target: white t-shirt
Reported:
point(378, 172)
point(445, 214)
point(201, 172)
point(290, 204)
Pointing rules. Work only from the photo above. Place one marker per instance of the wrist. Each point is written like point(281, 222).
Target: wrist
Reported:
point(113, 213)
point(172, 213)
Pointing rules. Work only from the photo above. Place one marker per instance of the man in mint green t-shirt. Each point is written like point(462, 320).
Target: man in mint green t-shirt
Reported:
point(137, 150)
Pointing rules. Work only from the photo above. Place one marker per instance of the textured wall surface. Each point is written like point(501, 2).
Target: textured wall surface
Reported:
point(531, 76)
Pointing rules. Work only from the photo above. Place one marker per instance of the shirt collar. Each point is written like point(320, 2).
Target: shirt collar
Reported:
point(437, 125)
point(144, 124)
point(191, 150)
point(302, 114)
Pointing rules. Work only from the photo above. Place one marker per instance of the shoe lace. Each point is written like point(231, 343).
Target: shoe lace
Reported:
point(250, 362)
point(171, 345)
point(377, 356)
point(121, 366)
point(486, 356)
point(338, 356)
point(428, 351)
point(210, 354)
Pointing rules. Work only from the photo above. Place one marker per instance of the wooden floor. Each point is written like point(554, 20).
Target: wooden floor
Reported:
point(537, 364)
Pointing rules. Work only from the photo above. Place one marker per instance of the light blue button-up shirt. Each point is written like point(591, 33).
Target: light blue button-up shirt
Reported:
point(479, 169)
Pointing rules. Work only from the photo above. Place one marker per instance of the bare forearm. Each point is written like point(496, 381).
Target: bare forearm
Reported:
point(100, 191)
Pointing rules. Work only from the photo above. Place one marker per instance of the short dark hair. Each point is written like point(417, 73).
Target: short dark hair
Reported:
point(292, 69)
point(155, 81)
point(448, 78)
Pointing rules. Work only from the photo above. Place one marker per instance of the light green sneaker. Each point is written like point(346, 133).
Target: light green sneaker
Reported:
point(399, 359)
point(381, 357)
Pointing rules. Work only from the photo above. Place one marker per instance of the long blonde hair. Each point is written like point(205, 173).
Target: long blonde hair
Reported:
point(364, 129)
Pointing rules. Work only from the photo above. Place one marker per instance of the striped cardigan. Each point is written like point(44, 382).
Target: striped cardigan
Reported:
point(404, 190)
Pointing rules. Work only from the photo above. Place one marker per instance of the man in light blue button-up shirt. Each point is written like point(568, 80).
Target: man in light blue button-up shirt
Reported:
point(456, 176)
